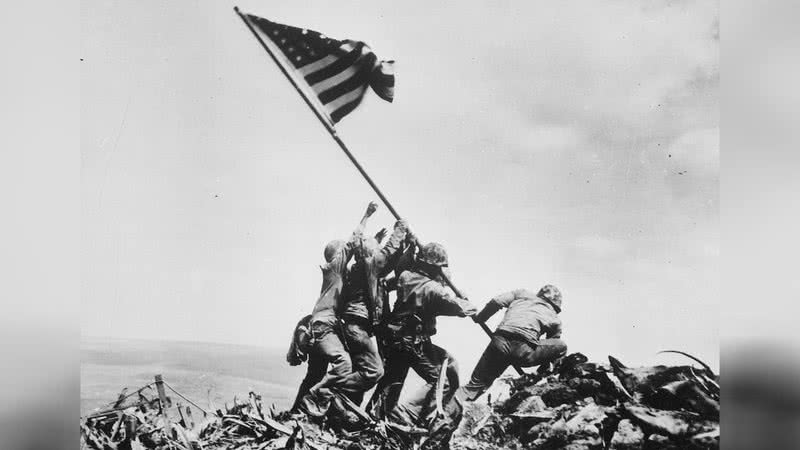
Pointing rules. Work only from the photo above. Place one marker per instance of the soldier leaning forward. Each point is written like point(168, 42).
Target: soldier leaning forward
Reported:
point(529, 335)
point(421, 297)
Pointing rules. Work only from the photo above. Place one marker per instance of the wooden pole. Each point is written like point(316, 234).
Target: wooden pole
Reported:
point(162, 399)
point(332, 131)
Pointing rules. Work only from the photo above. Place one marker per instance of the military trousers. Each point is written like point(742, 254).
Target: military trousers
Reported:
point(504, 351)
point(426, 359)
point(328, 352)
point(317, 368)
point(367, 365)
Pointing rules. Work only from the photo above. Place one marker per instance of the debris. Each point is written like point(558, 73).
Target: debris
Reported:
point(575, 404)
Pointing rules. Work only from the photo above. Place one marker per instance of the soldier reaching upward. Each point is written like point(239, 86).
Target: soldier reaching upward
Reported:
point(364, 305)
point(327, 344)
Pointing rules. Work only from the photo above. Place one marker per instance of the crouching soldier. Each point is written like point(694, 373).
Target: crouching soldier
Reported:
point(299, 350)
point(364, 305)
point(327, 346)
point(421, 297)
point(519, 339)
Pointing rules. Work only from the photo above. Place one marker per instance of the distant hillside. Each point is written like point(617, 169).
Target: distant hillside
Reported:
point(206, 372)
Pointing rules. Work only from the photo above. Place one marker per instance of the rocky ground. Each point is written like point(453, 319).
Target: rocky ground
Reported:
point(575, 405)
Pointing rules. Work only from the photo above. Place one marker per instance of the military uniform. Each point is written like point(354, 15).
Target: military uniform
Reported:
point(420, 299)
point(328, 356)
point(364, 306)
point(518, 339)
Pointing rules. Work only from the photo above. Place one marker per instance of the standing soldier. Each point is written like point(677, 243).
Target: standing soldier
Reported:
point(327, 344)
point(364, 306)
point(421, 297)
point(518, 339)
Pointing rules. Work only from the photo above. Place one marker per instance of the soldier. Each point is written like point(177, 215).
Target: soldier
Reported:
point(300, 351)
point(518, 339)
point(365, 303)
point(421, 297)
point(327, 344)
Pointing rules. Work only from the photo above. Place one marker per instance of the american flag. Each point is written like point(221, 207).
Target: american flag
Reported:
point(336, 72)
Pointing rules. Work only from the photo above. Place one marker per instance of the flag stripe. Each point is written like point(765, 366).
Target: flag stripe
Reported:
point(344, 62)
point(386, 80)
point(348, 85)
point(348, 97)
point(316, 65)
point(345, 110)
point(326, 84)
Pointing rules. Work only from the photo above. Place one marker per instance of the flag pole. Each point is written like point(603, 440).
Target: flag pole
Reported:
point(319, 115)
point(328, 126)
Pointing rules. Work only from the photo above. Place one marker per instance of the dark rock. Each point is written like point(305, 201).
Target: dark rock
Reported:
point(552, 393)
point(644, 382)
point(566, 366)
point(684, 394)
point(585, 387)
point(559, 394)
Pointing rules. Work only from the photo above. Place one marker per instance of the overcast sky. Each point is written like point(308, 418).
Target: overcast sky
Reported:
point(573, 143)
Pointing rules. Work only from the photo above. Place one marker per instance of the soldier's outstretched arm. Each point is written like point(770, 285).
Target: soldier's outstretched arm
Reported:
point(496, 304)
point(371, 208)
point(448, 304)
point(388, 256)
point(554, 331)
point(358, 233)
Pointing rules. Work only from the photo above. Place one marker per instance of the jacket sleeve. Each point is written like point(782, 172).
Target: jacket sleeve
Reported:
point(505, 299)
point(389, 254)
point(339, 262)
point(446, 303)
point(487, 311)
point(554, 330)
point(500, 301)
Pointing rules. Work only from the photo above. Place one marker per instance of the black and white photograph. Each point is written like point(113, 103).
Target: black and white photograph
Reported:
point(399, 225)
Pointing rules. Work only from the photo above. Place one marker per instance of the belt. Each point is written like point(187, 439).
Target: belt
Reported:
point(533, 340)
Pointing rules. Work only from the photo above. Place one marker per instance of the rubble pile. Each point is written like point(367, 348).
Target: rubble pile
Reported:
point(576, 404)
point(141, 424)
point(584, 405)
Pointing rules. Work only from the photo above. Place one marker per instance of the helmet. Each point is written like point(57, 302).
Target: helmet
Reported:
point(332, 249)
point(552, 295)
point(434, 254)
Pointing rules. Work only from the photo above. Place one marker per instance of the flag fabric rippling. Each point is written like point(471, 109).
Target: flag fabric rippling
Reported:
point(336, 72)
